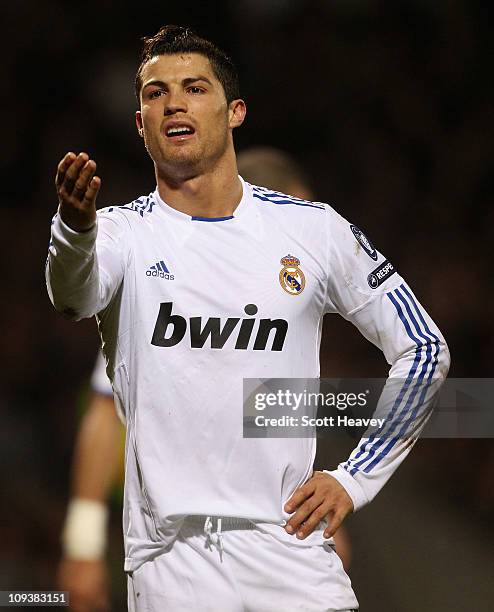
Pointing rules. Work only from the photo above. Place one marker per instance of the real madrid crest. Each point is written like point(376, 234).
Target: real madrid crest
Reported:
point(292, 278)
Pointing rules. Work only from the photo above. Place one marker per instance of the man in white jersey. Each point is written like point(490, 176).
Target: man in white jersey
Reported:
point(207, 281)
point(97, 456)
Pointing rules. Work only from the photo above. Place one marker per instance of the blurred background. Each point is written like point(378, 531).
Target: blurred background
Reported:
point(388, 106)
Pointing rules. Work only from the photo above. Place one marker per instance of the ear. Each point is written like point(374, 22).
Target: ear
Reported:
point(139, 125)
point(236, 113)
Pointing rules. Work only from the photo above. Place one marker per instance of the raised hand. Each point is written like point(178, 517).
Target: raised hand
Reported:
point(77, 188)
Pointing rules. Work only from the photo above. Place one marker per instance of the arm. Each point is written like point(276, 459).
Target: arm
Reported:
point(366, 290)
point(96, 464)
point(86, 258)
point(97, 451)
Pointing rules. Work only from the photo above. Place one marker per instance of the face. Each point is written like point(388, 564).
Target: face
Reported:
point(184, 118)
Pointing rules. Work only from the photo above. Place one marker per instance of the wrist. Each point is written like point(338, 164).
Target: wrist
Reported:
point(351, 486)
point(84, 535)
point(63, 233)
point(78, 221)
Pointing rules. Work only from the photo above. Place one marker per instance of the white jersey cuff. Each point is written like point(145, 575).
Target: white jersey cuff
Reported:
point(61, 231)
point(352, 487)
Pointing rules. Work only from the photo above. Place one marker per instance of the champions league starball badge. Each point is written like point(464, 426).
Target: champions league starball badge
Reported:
point(364, 242)
point(292, 278)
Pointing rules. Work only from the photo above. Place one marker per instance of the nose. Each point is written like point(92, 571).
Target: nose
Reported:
point(175, 103)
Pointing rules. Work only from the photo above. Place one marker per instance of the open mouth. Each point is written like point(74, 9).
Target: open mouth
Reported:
point(179, 132)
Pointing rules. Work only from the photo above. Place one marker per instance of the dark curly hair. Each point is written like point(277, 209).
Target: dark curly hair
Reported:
point(172, 39)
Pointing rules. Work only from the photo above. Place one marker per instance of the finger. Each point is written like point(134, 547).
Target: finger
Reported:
point(303, 513)
point(334, 523)
point(92, 191)
point(62, 167)
point(83, 180)
point(73, 173)
point(312, 522)
point(300, 495)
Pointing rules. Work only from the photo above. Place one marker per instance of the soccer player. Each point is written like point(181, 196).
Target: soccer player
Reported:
point(96, 466)
point(82, 569)
point(207, 281)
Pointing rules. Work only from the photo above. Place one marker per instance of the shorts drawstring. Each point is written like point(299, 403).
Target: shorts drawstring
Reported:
point(219, 536)
point(218, 542)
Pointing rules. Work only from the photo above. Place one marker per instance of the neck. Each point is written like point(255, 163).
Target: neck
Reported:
point(209, 193)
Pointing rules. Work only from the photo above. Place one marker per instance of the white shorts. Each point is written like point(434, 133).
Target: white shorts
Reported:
point(231, 565)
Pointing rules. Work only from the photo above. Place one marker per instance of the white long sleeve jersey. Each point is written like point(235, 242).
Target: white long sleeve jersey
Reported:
point(189, 306)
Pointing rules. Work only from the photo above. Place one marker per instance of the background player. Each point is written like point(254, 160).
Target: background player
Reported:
point(97, 466)
point(98, 451)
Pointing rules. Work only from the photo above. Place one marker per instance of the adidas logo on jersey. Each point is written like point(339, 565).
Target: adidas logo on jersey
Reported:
point(160, 270)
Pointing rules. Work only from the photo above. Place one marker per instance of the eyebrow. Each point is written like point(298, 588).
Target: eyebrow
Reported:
point(187, 81)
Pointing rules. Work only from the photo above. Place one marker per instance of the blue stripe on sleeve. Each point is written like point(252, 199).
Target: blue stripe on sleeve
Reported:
point(283, 200)
point(417, 310)
point(419, 385)
point(378, 442)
